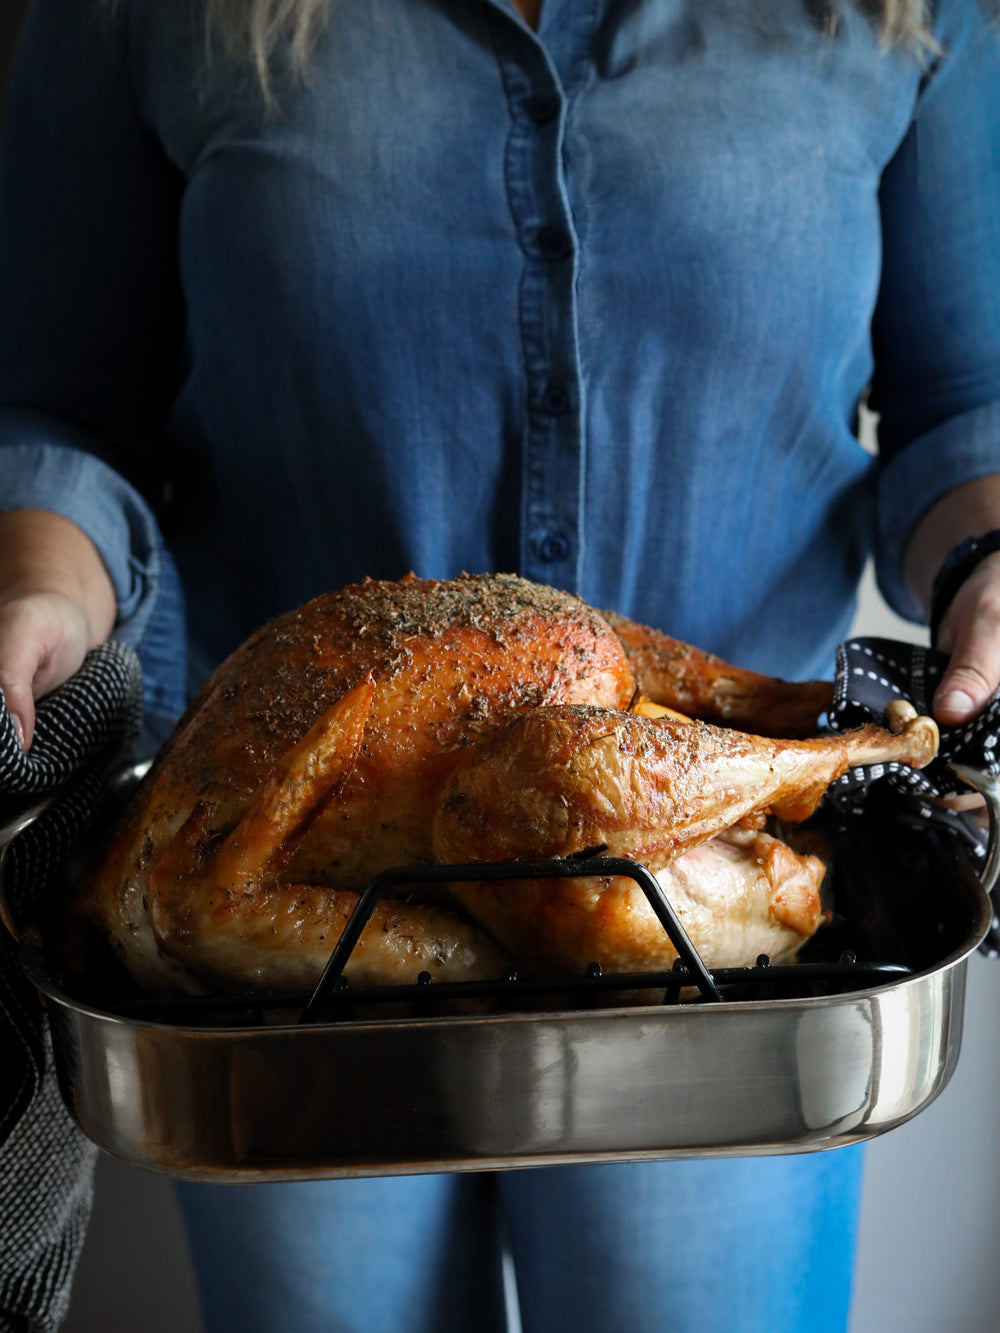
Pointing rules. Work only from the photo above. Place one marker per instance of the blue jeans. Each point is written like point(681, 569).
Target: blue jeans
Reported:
point(749, 1245)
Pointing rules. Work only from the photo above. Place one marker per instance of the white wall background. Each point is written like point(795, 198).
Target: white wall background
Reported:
point(930, 1225)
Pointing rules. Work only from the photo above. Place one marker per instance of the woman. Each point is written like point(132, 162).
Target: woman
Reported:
point(589, 291)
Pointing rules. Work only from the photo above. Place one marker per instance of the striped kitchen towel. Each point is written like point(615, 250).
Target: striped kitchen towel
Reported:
point(870, 673)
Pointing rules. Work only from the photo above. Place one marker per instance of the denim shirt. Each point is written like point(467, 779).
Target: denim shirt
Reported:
point(597, 304)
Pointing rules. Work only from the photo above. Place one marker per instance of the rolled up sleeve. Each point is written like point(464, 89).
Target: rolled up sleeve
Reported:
point(39, 474)
point(936, 331)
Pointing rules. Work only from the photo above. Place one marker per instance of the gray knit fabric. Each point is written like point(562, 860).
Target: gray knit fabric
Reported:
point(83, 730)
point(46, 1187)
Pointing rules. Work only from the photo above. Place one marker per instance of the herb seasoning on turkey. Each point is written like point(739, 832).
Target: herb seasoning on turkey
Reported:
point(480, 718)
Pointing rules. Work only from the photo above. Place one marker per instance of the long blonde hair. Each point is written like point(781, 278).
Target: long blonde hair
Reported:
point(254, 29)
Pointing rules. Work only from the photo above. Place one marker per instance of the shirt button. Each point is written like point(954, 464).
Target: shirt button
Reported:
point(555, 399)
point(553, 546)
point(543, 107)
point(553, 243)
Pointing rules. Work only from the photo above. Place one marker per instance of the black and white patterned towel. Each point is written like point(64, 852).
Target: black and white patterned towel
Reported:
point(83, 730)
point(870, 673)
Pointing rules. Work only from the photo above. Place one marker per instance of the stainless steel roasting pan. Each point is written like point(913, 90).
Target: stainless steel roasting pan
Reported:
point(782, 1063)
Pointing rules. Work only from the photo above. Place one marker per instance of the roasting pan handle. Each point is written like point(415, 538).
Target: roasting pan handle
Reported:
point(119, 787)
point(988, 786)
point(10, 827)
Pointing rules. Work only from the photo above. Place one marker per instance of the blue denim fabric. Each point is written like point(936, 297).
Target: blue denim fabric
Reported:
point(150, 599)
point(597, 305)
point(762, 1245)
point(162, 652)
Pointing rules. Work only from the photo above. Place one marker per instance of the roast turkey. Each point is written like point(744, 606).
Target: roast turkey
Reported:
point(481, 718)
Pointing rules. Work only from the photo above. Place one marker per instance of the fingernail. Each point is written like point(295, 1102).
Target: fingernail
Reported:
point(956, 701)
point(18, 730)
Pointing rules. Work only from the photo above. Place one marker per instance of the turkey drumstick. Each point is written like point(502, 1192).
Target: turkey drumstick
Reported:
point(682, 798)
point(557, 780)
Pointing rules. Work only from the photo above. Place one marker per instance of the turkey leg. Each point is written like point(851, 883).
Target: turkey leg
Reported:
point(561, 779)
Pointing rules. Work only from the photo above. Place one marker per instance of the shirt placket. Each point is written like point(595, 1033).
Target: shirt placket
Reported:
point(539, 82)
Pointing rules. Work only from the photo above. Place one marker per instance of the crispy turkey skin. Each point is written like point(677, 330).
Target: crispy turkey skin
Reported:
point(485, 717)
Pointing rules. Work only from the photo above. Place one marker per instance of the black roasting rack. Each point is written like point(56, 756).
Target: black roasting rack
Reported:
point(688, 981)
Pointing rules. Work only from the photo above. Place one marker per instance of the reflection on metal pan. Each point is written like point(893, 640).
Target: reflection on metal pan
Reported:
point(466, 1093)
point(786, 1064)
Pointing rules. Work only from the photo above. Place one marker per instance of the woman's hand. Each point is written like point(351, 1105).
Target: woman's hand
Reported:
point(970, 628)
point(56, 602)
point(970, 634)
